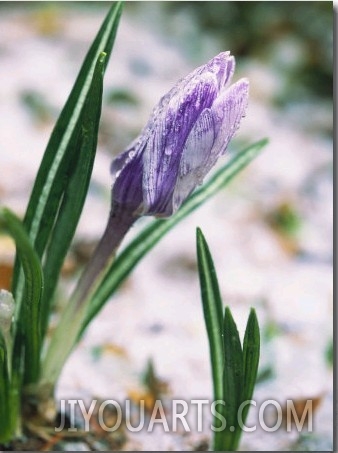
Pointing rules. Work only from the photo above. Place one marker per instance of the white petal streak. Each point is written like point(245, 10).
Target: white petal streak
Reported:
point(151, 157)
point(195, 162)
point(228, 110)
point(200, 141)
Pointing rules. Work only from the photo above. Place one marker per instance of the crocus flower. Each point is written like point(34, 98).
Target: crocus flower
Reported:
point(187, 132)
point(189, 129)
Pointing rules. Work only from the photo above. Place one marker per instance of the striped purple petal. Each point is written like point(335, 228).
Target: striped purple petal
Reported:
point(186, 133)
point(163, 153)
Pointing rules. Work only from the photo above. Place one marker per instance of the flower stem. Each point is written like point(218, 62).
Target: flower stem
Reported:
point(118, 225)
point(67, 332)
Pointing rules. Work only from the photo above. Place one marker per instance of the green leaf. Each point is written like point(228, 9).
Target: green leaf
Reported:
point(232, 379)
point(57, 165)
point(251, 351)
point(30, 321)
point(5, 432)
point(251, 345)
point(76, 190)
point(148, 238)
point(213, 312)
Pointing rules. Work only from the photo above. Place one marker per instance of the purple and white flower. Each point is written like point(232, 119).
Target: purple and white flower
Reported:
point(188, 131)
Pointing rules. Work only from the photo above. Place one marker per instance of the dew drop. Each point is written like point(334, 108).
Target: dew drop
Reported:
point(199, 177)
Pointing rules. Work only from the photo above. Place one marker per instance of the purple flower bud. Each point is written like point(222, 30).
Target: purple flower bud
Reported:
point(187, 132)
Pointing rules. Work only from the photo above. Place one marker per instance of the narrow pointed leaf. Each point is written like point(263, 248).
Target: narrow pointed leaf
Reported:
point(5, 434)
point(56, 166)
point(251, 351)
point(213, 312)
point(149, 237)
point(30, 321)
point(77, 186)
point(232, 378)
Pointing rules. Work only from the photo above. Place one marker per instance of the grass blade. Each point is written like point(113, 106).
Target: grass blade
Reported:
point(56, 166)
point(147, 239)
point(251, 351)
point(77, 186)
point(5, 432)
point(232, 381)
point(213, 312)
point(30, 321)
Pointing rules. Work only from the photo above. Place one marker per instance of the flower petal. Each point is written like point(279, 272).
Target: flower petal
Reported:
point(187, 131)
point(223, 66)
point(227, 110)
point(209, 139)
point(127, 172)
point(163, 152)
point(196, 161)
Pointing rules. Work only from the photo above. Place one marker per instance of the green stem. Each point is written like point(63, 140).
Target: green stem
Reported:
point(68, 330)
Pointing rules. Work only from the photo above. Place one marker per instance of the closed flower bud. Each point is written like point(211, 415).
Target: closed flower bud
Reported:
point(187, 132)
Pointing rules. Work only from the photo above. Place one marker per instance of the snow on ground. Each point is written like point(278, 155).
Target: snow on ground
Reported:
point(157, 314)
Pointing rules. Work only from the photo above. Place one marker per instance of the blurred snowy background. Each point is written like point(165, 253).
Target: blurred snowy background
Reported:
point(270, 231)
